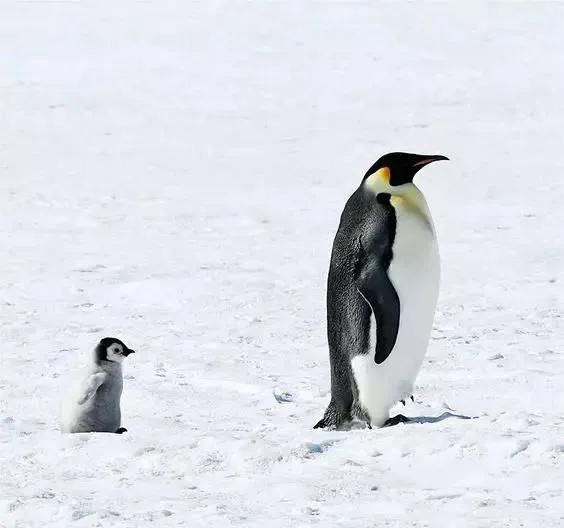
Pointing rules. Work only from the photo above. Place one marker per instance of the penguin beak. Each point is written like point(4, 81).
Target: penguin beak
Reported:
point(128, 351)
point(425, 160)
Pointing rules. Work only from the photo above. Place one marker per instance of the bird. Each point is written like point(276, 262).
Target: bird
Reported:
point(382, 290)
point(92, 402)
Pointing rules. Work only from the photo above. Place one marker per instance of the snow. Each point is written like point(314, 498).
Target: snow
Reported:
point(172, 174)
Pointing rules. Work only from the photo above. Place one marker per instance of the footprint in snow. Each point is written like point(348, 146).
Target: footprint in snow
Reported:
point(445, 496)
point(282, 396)
point(522, 447)
point(317, 448)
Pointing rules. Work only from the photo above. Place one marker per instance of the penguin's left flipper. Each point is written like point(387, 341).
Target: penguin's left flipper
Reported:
point(378, 291)
point(91, 386)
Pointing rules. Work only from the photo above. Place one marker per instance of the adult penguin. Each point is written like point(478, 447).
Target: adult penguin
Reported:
point(381, 294)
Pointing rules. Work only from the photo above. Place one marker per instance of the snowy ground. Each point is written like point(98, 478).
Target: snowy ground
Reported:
point(173, 174)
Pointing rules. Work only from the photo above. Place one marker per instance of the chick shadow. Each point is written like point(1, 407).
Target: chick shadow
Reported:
point(400, 418)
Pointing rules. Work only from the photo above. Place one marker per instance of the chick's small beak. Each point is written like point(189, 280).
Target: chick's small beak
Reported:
point(128, 351)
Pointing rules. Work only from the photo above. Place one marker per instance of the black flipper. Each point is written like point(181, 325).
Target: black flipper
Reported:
point(379, 292)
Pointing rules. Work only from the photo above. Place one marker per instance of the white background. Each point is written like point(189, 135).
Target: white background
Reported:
point(173, 174)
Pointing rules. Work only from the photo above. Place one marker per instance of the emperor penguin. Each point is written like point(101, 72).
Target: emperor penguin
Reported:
point(382, 292)
point(93, 400)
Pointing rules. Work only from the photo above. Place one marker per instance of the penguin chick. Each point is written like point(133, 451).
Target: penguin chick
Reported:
point(92, 403)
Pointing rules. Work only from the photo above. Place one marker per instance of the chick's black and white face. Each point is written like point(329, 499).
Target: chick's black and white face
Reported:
point(112, 349)
point(115, 353)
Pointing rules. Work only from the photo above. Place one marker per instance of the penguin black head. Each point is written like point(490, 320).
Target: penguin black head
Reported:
point(399, 168)
point(112, 349)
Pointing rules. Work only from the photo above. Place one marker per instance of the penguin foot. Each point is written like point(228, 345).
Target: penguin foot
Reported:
point(395, 420)
point(333, 419)
point(324, 423)
point(321, 424)
point(121, 430)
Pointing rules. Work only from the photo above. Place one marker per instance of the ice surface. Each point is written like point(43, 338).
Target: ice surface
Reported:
point(173, 173)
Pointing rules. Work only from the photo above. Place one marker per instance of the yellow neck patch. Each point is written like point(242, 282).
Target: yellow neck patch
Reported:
point(379, 181)
point(410, 203)
point(404, 198)
point(383, 176)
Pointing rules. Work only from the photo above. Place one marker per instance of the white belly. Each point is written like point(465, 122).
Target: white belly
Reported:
point(414, 272)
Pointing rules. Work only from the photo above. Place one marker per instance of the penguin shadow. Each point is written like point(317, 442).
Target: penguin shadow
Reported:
point(400, 418)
